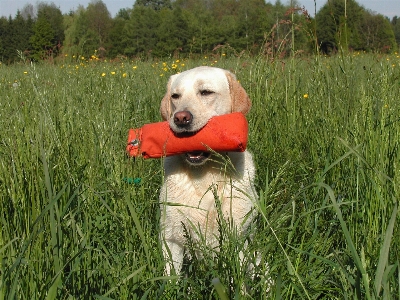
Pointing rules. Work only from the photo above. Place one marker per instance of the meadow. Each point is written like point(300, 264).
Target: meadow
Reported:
point(79, 219)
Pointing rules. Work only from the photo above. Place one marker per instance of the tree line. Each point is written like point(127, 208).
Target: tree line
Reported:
point(162, 28)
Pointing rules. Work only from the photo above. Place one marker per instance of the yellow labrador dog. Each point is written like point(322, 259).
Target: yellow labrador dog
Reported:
point(192, 98)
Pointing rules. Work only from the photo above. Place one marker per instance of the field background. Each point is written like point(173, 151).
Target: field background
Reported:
point(79, 220)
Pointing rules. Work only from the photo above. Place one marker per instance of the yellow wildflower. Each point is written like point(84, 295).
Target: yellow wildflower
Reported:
point(103, 74)
point(305, 96)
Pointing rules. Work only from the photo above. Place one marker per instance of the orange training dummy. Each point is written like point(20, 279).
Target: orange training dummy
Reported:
point(221, 134)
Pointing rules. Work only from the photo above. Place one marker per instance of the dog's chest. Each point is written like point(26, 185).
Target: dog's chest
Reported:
point(196, 189)
point(191, 196)
point(195, 199)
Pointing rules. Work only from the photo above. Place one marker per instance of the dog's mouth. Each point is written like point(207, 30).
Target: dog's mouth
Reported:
point(197, 157)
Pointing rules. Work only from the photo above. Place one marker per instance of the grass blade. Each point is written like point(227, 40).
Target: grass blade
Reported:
point(125, 280)
point(220, 289)
point(384, 253)
point(139, 229)
point(348, 238)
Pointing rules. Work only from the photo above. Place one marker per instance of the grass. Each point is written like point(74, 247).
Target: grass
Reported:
point(79, 220)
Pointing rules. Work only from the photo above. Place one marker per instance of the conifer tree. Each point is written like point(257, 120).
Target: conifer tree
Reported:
point(22, 31)
point(42, 39)
point(4, 28)
point(396, 29)
point(48, 32)
point(117, 39)
point(141, 30)
point(172, 32)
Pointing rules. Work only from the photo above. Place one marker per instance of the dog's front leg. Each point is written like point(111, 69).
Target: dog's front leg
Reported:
point(173, 256)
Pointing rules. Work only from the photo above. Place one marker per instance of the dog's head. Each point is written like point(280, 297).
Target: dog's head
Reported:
point(195, 96)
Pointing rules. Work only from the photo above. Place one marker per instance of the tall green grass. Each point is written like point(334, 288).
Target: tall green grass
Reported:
point(79, 220)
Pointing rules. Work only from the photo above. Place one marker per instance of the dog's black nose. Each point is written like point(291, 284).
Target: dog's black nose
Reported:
point(183, 118)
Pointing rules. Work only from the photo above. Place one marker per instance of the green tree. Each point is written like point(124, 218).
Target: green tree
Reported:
point(42, 39)
point(14, 35)
point(141, 31)
point(338, 23)
point(154, 4)
point(55, 18)
point(201, 26)
point(396, 29)
point(172, 33)
point(47, 31)
point(377, 33)
point(124, 13)
point(4, 38)
point(22, 31)
point(99, 20)
point(87, 30)
point(71, 40)
point(85, 37)
point(117, 41)
point(253, 23)
point(224, 24)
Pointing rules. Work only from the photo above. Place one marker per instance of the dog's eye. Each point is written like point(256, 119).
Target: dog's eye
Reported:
point(206, 92)
point(175, 96)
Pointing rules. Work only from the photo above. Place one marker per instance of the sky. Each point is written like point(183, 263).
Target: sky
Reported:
point(389, 8)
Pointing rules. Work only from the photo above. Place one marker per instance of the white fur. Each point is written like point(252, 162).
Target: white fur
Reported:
point(187, 194)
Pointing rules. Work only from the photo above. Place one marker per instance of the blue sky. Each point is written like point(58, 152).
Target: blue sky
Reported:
point(389, 8)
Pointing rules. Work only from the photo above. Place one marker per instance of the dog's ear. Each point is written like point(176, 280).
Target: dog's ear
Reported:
point(240, 101)
point(165, 108)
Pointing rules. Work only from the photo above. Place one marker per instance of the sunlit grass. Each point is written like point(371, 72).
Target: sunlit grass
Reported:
point(79, 219)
